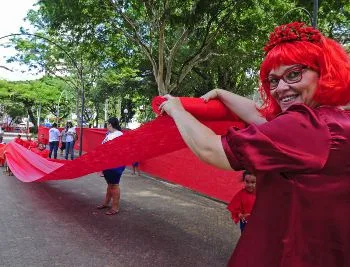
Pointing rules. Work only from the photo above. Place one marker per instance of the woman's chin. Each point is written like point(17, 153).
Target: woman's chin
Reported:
point(285, 106)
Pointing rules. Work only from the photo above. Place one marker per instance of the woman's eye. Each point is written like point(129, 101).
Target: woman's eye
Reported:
point(273, 81)
point(295, 74)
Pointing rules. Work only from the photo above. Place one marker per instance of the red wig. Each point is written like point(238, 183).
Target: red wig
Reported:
point(296, 43)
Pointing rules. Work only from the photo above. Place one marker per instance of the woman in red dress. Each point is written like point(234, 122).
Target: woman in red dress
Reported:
point(298, 146)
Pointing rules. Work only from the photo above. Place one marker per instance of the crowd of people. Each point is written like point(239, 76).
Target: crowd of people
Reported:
point(66, 137)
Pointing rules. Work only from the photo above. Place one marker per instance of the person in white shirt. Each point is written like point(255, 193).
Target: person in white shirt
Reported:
point(70, 140)
point(54, 139)
point(112, 176)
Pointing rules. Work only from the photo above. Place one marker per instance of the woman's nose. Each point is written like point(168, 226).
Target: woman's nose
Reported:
point(282, 85)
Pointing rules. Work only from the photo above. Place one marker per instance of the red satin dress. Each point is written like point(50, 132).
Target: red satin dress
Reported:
point(301, 215)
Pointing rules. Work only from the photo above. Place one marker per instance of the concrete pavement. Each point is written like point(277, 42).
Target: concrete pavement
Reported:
point(56, 224)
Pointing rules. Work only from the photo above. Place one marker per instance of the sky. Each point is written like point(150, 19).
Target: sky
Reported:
point(12, 14)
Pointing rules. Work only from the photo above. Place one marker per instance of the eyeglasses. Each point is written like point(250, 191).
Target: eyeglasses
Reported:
point(290, 76)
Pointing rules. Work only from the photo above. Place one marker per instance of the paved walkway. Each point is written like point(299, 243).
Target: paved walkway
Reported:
point(56, 224)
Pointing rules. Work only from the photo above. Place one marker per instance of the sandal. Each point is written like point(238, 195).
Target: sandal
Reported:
point(102, 206)
point(112, 212)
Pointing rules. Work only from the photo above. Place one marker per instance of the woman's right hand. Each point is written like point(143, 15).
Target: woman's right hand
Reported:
point(210, 95)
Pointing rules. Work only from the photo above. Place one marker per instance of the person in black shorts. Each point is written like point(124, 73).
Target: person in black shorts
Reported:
point(112, 176)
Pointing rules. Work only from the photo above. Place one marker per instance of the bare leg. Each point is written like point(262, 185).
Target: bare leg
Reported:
point(108, 195)
point(108, 198)
point(115, 192)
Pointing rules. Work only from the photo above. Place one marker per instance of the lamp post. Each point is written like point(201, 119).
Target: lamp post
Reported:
point(315, 14)
point(80, 74)
point(58, 105)
point(126, 111)
point(38, 115)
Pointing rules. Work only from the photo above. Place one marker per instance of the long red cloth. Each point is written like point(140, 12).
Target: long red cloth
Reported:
point(153, 139)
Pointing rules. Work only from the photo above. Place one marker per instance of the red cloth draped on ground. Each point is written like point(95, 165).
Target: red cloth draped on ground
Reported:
point(43, 153)
point(154, 138)
point(2, 155)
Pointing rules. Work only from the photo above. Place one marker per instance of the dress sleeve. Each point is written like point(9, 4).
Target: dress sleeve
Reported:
point(297, 140)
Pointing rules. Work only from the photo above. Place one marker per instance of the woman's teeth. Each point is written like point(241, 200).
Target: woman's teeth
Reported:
point(288, 98)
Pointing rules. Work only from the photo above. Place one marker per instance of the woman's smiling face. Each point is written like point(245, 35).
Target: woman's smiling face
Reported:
point(293, 84)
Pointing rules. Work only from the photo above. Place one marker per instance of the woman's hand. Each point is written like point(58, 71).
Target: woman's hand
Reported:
point(346, 107)
point(171, 105)
point(210, 95)
point(242, 217)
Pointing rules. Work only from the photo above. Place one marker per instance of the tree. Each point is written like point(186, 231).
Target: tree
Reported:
point(26, 94)
point(174, 36)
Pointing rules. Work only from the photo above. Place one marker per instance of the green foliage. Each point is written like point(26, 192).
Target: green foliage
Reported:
point(14, 110)
point(31, 94)
point(128, 51)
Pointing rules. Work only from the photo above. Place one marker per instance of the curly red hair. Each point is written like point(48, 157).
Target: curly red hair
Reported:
point(296, 43)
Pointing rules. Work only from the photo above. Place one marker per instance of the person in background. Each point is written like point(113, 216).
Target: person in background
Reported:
point(297, 144)
point(70, 139)
point(19, 140)
point(30, 142)
point(54, 139)
point(242, 203)
point(40, 150)
point(135, 168)
point(63, 140)
point(112, 176)
point(43, 140)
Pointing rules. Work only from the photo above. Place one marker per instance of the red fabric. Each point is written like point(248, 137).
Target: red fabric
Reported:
point(26, 165)
point(177, 167)
point(43, 153)
point(33, 144)
point(301, 160)
point(243, 203)
point(29, 144)
point(213, 110)
point(19, 141)
point(183, 167)
point(91, 138)
point(2, 155)
point(158, 139)
point(43, 140)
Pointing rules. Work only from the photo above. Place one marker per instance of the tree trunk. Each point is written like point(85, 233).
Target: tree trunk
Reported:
point(31, 116)
point(77, 108)
point(97, 115)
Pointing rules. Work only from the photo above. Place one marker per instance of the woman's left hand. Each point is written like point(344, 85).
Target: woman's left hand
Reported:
point(346, 107)
point(171, 105)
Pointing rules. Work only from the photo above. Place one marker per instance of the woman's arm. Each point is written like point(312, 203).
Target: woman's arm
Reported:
point(200, 139)
point(243, 107)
